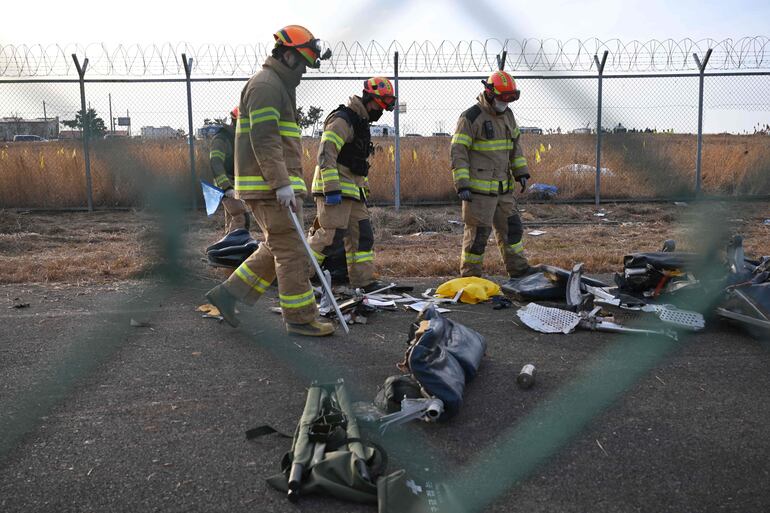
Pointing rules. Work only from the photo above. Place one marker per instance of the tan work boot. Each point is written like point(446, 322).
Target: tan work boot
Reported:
point(316, 328)
point(225, 302)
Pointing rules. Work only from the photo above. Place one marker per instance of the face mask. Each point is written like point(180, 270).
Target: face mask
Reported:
point(500, 106)
point(374, 115)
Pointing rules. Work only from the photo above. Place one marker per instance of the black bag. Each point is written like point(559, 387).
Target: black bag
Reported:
point(443, 356)
point(395, 389)
point(232, 249)
point(545, 283)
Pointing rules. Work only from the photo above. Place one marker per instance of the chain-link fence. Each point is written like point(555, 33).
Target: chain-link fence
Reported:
point(140, 134)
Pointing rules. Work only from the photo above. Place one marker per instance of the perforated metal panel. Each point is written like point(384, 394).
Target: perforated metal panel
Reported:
point(548, 320)
point(681, 318)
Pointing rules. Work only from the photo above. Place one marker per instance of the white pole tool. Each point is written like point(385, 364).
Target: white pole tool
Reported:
point(327, 287)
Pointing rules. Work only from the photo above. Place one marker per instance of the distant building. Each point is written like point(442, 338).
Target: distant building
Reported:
point(531, 130)
point(582, 130)
point(620, 129)
point(41, 127)
point(159, 132)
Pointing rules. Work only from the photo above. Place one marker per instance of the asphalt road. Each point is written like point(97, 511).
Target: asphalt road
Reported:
point(98, 415)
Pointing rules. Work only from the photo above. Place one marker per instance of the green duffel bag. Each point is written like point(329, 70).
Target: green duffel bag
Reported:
point(399, 493)
point(327, 455)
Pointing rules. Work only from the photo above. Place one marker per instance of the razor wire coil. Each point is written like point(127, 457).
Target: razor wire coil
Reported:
point(416, 57)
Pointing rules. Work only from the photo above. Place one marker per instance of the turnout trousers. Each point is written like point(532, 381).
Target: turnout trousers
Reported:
point(347, 222)
point(282, 255)
point(481, 216)
point(236, 214)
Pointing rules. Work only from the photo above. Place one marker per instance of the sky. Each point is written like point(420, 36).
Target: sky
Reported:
point(237, 21)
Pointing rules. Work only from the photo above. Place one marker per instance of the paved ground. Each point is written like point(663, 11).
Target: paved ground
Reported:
point(97, 415)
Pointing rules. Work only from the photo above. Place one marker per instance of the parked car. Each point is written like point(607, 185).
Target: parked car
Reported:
point(28, 138)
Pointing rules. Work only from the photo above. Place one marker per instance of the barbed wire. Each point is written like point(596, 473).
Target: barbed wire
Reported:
point(418, 57)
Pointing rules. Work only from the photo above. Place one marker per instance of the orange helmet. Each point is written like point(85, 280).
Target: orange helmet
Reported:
point(501, 86)
point(302, 40)
point(234, 113)
point(381, 91)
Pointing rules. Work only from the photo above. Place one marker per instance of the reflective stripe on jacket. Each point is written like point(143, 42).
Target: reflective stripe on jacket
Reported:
point(330, 176)
point(486, 151)
point(268, 151)
point(221, 158)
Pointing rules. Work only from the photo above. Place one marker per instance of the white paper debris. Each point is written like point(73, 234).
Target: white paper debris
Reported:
point(536, 233)
point(420, 306)
point(378, 303)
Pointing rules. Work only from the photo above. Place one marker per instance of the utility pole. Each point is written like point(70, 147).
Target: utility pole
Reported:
point(112, 121)
point(86, 127)
point(397, 181)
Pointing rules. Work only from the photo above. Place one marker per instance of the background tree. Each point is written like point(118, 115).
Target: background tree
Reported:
point(90, 123)
point(311, 119)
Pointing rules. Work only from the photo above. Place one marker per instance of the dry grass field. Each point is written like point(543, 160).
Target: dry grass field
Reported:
point(51, 174)
point(99, 247)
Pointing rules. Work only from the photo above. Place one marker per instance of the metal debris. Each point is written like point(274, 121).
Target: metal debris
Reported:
point(548, 320)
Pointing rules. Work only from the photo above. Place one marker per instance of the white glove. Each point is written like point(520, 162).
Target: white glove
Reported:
point(230, 193)
point(285, 197)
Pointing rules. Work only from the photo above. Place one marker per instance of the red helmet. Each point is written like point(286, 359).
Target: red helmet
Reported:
point(381, 91)
point(301, 39)
point(234, 113)
point(501, 86)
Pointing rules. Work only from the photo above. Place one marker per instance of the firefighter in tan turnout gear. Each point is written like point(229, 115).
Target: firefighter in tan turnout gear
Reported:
point(486, 160)
point(268, 175)
point(222, 162)
point(340, 183)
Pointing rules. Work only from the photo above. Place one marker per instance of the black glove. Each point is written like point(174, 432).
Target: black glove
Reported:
point(523, 181)
point(464, 195)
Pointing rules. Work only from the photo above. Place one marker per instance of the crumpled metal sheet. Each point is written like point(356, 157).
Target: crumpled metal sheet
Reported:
point(548, 320)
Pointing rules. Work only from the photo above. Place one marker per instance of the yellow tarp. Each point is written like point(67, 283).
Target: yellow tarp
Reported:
point(475, 290)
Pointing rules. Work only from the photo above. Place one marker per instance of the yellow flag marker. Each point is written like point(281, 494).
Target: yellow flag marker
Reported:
point(74, 154)
point(42, 161)
point(392, 155)
point(537, 156)
point(542, 148)
point(414, 155)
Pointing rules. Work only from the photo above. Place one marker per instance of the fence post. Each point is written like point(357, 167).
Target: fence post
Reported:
point(702, 70)
point(191, 136)
point(397, 189)
point(86, 127)
point(600, 68)
point(501, 60)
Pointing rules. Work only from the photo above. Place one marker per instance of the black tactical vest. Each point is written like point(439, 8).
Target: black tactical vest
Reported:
point(354, 154)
